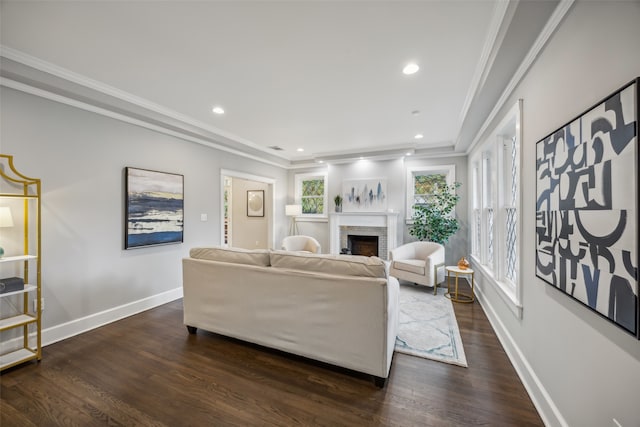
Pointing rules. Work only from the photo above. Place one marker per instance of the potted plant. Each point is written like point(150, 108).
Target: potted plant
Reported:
point(338, 201)
point(435, 221)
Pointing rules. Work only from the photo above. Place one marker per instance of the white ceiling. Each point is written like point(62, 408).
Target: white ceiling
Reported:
point(324, 76)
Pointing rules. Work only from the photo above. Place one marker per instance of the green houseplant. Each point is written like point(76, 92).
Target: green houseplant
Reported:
point(434, 220)
point(338, 201)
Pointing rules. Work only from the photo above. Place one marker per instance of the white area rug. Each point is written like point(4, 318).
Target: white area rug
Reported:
point(428, 326)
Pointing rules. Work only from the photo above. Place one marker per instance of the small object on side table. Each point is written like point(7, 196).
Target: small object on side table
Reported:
point(463, 264)
point(459, 296)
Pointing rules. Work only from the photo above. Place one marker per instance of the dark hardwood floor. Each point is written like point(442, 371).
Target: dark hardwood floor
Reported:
point(146, 370)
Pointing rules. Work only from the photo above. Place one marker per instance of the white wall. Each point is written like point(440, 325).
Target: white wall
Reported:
point(87, 275)
point(581, 369)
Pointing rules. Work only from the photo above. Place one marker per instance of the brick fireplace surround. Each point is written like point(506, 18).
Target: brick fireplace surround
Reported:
point(381, 224)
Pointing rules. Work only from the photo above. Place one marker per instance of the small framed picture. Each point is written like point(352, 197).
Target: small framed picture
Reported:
point(255, 203)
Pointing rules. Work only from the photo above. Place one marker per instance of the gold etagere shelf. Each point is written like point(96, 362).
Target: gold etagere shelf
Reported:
point(22, 194)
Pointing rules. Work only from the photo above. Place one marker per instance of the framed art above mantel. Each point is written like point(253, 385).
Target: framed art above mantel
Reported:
point(364, 195)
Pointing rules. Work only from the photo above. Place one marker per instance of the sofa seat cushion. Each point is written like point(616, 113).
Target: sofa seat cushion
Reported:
point(259, 257)
point(416, 266)
point(345, 265)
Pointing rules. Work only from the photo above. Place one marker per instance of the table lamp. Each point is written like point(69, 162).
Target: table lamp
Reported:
point(293, 211)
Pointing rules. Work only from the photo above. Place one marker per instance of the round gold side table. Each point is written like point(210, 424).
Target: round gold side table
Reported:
point(459, 296)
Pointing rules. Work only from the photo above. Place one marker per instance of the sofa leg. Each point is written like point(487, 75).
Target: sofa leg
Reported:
point(379, 381)
point(192, 329)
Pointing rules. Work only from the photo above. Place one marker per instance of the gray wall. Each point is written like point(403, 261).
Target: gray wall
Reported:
point(80, 158)
point(588, 368)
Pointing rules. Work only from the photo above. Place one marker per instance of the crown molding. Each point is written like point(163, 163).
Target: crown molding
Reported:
point(90, 103)
point(502, 15)
point(22, 87)
point(550, 27)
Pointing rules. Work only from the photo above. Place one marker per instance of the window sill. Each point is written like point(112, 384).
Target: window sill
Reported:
point(312, 219)
point(505, 291)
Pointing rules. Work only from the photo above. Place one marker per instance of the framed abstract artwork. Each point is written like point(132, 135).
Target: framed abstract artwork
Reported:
point(154, 203)
point(364, 195)
point(587, 208)
point(255, 203)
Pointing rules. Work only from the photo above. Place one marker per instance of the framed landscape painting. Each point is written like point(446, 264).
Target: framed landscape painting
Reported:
point(587, 208)
point(154, 206)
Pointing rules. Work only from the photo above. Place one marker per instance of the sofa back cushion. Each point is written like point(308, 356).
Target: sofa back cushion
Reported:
point(259, 257)
point(345, 265)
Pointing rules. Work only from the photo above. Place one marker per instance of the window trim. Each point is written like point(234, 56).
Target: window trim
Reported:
point(509, 291)
point(449, 170)
point(299, 177)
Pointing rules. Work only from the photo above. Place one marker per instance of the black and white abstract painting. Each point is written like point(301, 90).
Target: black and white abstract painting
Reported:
point(586, 209)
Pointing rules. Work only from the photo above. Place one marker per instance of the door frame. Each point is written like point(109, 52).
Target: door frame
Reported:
point(271, 182)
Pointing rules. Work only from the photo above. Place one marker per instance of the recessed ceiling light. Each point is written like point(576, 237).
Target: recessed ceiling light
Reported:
point(218, 110)
point(408, 153)
point(419, 136)
point(300, 150)
point(410, 68)
point(320, 161)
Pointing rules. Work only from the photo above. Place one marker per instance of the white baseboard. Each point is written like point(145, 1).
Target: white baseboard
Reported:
point(547, 409)
point(84, 324)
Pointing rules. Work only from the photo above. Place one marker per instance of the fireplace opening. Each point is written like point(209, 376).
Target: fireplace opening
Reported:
point(363, 245)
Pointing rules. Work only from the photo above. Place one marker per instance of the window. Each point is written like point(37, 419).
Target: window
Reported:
point(509, 203)
point(488, 208)
point(423, 180)
point(475, 214)
point(495, 205)
point(311, 193)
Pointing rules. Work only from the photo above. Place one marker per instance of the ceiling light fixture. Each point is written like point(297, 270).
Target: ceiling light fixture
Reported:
point(419, 136)
point(218, 110)
point(408, 153)
point(300, 150)
point(410, 68)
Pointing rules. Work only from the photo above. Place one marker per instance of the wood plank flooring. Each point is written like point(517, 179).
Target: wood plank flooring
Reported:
point(146, 370)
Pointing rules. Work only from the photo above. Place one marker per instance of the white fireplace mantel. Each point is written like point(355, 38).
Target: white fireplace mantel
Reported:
point(388, 220)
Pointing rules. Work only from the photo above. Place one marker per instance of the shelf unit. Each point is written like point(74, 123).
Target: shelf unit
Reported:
point(22, 194)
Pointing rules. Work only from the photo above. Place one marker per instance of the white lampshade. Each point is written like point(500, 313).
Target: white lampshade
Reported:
point(6, 220)
point(293, 210)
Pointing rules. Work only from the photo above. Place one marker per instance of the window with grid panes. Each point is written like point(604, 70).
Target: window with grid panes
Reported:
point(311, 193)
point(422, 182)
point(495, 206)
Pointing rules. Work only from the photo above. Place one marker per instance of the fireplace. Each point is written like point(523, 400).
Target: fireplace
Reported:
point(380, 224)
point(363, 245)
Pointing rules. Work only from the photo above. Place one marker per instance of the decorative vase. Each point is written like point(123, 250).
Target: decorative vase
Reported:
point(463, 264)
point(338, 208)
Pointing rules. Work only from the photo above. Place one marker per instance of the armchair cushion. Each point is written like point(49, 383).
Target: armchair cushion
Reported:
point(415, 266)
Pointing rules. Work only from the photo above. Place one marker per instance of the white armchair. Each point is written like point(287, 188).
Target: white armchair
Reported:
point(418, 262)
point(301, 243)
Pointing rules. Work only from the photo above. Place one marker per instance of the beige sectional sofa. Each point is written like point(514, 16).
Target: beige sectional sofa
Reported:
point(342, 310)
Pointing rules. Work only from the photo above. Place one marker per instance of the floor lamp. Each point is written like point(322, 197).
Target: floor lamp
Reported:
point(293, 211)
